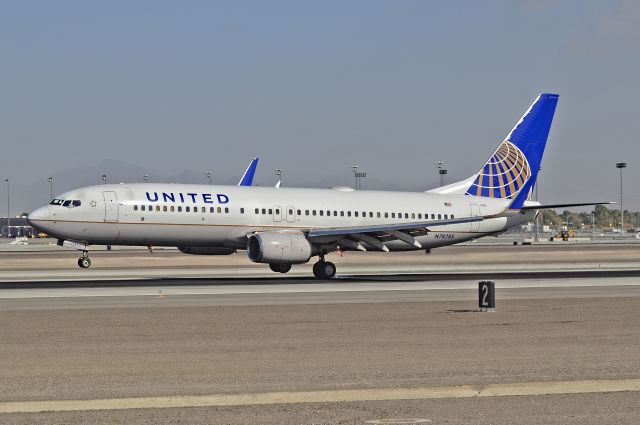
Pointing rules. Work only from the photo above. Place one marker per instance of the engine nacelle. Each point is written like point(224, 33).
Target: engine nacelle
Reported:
point(278, 248)
point(206, 250)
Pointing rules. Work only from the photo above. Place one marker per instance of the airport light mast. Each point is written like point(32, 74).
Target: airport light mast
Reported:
point(104, 179)
point(8, 210)
point(145, 178)
point(621, 165)
point(50, 179)
point(279, 174)
point(208, 174)
point(442, 171)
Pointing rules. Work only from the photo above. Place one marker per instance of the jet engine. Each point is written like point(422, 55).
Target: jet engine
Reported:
point(206, 250)
point(278, 248)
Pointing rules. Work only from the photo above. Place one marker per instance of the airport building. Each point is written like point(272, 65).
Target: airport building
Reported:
point(16, 227)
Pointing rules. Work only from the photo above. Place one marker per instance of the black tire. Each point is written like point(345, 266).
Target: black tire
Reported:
point(84, 262)
point(324, 270)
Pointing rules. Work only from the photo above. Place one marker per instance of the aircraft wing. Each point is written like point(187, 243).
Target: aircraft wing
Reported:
point(375, 236)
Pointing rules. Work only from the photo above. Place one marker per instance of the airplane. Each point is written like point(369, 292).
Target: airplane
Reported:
point(285, 226)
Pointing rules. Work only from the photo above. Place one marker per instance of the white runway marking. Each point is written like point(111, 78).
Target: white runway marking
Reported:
point(298, 288)
point(327, 396)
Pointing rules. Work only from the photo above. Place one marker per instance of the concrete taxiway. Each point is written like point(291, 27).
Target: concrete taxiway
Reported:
point(562, 346)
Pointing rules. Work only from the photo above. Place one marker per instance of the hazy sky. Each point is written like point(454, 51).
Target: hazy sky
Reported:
point(316, 86)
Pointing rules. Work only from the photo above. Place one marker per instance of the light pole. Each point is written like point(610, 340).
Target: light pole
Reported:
point(8, 210)
point(621, 165)
point(50, 179)
point(104, 179)
point(145, 178)
point(442, 171)
point(208, 174)
point(355, 174)
point(279, 174)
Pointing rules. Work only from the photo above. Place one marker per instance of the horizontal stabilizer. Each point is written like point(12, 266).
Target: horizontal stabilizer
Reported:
point(553, 206)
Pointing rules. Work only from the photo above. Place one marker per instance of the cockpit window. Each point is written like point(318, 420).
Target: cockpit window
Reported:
point(67, 203)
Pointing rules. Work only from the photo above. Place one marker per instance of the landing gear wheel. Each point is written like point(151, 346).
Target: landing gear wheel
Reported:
point(280, 268)
point(324, 270)
point(84, 262)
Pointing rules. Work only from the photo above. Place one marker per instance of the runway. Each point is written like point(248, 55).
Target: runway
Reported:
point(561, 348)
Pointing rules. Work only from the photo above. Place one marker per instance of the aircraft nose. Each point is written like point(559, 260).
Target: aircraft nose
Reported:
point(41, 213)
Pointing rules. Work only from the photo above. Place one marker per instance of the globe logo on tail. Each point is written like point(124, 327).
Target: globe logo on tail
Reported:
point(503, 175)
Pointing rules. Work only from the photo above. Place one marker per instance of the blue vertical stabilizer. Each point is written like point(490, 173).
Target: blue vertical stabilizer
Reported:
point(512, 170)
point(247, 177)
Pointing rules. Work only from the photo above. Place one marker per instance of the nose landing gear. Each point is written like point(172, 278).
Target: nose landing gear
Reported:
point(84, 261)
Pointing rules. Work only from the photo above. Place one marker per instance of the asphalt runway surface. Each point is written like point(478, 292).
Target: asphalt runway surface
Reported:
point(562, 347)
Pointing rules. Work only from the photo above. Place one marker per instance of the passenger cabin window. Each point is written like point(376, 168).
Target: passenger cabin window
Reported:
point(135, 208)
point(321, 213)
point(172, 208)
point(393, 215)
point(439, 217)
point(179, 209)
point(158, 208)
point(211, 209)
point(433, 216)
point(264, 211)
point(187, 209)
point(142, 207)
point(164, 208)
point(313, 212)
point(355, 213)
point(451, 216)
point(257, 211)
point(241, 210)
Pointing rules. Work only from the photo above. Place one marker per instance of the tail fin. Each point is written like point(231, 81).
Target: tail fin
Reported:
point(511, 171)
point(247, 177)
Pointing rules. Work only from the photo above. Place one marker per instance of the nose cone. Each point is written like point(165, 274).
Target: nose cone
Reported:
point(39, 217)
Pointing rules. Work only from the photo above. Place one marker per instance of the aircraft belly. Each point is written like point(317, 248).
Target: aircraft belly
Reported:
point(163, 234)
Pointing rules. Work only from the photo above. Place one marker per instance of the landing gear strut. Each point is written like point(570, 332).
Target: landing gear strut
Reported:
point(84, 261)
point(324, 269)
point(280, 268)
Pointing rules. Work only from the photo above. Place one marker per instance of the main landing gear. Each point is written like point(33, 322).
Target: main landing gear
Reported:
point(324, 269)
point(84, 261)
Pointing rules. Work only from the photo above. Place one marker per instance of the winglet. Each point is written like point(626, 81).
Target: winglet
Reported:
point(247, 177)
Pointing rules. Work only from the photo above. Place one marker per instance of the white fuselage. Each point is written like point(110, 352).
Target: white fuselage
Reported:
point(223, 216)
